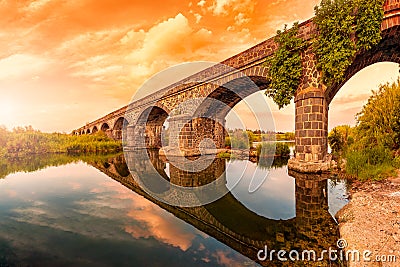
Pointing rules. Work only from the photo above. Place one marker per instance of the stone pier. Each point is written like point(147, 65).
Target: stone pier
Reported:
point(311, 132)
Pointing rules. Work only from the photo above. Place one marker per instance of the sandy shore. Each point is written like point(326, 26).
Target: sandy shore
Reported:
point(371, 222)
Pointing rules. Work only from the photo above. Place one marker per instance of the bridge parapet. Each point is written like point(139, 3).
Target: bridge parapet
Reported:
point(392, 14)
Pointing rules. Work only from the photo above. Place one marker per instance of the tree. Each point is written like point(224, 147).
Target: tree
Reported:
point(289, 136)
point(340, 138)
point(378, 122)
point(335, 140)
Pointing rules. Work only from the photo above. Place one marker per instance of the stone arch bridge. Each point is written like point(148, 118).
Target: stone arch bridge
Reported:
point(144, 118)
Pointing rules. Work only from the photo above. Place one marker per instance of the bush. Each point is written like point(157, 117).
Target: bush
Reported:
point(340, 138)
point(273, 150)
point(227, 141)
point(239, 139)
point(379, 120)
point(224, 155)
point(282, 150)
point(396, 161)
point(239, 143)
point(265, 150)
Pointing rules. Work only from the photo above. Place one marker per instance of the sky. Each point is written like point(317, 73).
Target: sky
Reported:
point(66, 63)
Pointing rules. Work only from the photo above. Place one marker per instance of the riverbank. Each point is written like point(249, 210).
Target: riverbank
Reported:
point(26, 141)
point(260, 150)
point(371, 222)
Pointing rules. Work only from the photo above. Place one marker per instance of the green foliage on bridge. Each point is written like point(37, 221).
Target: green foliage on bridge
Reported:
point(285, 66)
point(345, 28)
point(372, 148)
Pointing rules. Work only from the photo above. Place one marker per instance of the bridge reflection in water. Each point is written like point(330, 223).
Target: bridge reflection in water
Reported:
point(228, 220)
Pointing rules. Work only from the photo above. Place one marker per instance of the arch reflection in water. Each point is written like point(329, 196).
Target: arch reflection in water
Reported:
point(232, 223)
point(149, 172)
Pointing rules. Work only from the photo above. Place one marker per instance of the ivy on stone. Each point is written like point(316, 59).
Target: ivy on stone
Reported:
point(345, 27)
point(285, 66)
point(368, 20)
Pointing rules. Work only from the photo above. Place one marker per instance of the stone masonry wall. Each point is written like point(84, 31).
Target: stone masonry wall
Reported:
point(311, 125)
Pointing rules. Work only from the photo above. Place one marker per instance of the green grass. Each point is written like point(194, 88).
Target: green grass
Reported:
point(371, 164)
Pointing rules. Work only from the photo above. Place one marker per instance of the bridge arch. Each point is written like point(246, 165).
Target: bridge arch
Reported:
point(388, 50)
point(88, 131)
point(119, 125)
point(312, 105)
point(209, 117)
point(230, 94)
point(104, 127)
point(353, 95)
point(95, 130)
point(150, 125)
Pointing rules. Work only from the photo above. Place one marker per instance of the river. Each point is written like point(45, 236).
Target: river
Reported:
point(88, 211)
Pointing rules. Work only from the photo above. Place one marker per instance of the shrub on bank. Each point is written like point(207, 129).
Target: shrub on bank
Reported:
point(282, 150)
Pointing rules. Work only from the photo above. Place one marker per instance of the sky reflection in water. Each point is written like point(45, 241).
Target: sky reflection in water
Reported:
point(82, 217)
point(76, 215)
point(275, 199)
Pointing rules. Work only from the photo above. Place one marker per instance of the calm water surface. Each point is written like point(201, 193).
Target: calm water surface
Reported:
point(74, 214)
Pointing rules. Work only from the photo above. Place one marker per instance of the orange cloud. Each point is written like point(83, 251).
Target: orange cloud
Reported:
point(151, 221)
point(157, 225)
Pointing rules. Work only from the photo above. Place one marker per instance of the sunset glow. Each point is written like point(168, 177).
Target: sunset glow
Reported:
point(72, 62)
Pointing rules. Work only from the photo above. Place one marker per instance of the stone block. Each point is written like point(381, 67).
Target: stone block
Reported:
point(300, 165)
